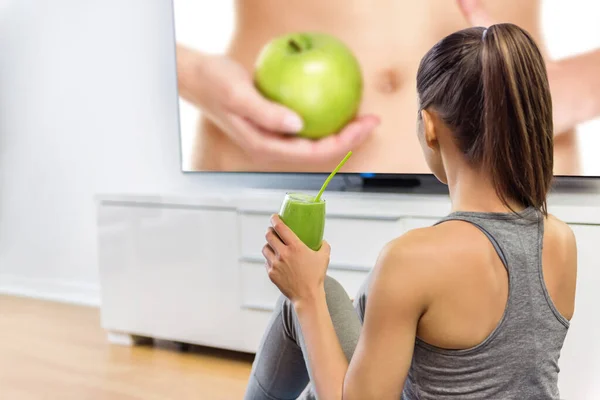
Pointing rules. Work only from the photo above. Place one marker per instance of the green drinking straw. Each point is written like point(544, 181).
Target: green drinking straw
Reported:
point(340, 165)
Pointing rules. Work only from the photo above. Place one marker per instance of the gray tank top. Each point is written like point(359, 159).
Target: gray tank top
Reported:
point(519, 359)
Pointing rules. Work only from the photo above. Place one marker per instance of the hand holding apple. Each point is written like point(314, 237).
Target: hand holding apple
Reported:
point(316, 75)
point(224, 91)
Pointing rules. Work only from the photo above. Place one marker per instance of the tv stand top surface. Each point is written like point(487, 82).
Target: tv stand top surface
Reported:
point(571, 205)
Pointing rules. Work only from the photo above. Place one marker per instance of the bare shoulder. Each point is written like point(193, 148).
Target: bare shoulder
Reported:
point(403, 272)
point(432, 252)
point(559, 264)
point(412, 249)
point(439, 242)
point(559, 236)
point(412, 269)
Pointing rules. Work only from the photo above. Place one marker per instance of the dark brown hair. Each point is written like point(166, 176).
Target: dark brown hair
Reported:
point(490, 87)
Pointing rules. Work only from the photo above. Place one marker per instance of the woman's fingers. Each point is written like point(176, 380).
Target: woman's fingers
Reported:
point(269, 254)
point(271, 146)
point(247, 102)
point(475, 13)
point(283, 231)
point(275, 242)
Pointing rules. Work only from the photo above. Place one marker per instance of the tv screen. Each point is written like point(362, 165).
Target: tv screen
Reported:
point(291, 86)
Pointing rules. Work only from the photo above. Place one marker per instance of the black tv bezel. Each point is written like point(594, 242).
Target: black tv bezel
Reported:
point(426, 184)
point(383, 175)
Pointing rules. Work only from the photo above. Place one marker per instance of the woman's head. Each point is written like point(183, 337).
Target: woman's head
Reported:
point(484, 98)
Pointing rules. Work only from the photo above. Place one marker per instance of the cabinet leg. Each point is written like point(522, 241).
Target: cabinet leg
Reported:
point(183, 347)
point(126, 339)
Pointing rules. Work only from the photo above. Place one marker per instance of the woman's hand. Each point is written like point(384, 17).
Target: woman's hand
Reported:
point(294, 268)
point(224, 91)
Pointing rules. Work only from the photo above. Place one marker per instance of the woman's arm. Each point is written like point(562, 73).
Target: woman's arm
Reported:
point(398, 296)
point(190, 71)
point(575, 88)
point(400, 293)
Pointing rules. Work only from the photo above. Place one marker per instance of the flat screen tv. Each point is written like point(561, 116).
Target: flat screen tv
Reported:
point(228, 69)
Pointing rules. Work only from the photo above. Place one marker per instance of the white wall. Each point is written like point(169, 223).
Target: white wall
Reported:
point(88, 104)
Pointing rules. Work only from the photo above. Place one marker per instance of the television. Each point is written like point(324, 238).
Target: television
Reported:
point(228, 123)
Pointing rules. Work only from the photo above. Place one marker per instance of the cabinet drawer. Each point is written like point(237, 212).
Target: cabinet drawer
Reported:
point(259, 293)
point(355, 242)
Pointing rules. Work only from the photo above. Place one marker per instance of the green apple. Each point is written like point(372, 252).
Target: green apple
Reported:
point(314, 74)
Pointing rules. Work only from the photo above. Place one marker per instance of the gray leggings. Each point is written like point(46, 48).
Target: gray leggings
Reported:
point(280, 370)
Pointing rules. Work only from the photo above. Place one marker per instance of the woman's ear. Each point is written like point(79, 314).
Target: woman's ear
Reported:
point(429, 129)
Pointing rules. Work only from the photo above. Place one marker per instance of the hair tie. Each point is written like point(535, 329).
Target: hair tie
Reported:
point(484, 33)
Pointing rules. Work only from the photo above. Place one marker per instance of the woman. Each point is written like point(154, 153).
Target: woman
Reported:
point(239, 128)
point(475, 307)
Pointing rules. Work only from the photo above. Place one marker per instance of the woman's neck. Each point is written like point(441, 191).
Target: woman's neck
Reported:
point(472, 190)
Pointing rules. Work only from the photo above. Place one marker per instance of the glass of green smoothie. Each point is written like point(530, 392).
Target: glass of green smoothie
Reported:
point(305, 217)
point(305, 214)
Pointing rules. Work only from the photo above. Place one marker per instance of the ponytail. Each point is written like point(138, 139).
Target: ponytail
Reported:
point(490, 87)
point(517, 140)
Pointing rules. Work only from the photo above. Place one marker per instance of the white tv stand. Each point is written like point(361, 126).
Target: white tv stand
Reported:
point(189, 268)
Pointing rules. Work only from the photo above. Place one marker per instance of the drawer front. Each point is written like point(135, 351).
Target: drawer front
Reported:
point(259, 293)
point(355, 242)
point(257, 290)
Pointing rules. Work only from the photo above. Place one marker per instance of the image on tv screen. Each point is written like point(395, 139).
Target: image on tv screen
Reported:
point(292, 86)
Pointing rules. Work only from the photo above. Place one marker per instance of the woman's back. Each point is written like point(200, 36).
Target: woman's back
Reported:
point(504, 294)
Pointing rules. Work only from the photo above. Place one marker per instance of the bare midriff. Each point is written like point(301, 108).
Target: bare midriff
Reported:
point(389, 37)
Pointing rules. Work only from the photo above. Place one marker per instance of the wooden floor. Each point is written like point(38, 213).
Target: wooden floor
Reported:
point(52, 351)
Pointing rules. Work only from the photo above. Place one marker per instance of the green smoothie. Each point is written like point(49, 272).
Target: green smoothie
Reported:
point(305, 217)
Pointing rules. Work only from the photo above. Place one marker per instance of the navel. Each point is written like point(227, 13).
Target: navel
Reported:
point(388, 81)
